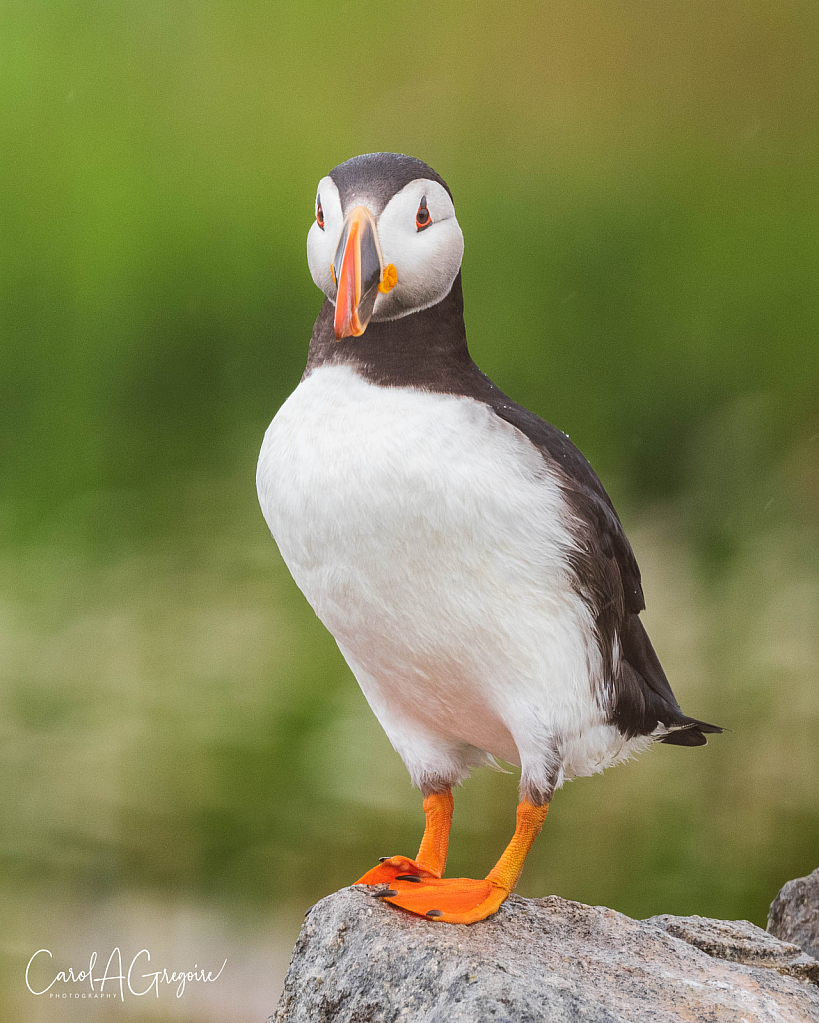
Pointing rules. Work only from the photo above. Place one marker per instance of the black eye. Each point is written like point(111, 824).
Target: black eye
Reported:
point(319, 213)
point(422, 217)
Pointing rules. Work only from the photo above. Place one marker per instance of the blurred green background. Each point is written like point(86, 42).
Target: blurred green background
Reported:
point(186, 761)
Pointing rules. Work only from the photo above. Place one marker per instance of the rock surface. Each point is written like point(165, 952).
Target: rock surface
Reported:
point(739, 941)
point(358, 960)
point(794, 913)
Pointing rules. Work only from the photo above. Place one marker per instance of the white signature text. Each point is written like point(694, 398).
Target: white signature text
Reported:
point(39, 970)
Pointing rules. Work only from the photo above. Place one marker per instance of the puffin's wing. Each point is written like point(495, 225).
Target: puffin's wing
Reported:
point(608, 579)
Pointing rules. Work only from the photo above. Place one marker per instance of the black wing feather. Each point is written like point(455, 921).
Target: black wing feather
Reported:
point(608, 579)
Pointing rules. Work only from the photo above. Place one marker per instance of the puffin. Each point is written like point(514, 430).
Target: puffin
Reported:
point(461, 551)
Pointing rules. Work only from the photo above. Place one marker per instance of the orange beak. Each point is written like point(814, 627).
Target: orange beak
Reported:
point(357, 268)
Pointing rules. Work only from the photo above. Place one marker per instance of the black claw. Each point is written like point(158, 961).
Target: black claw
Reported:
point(409, 877)
point(383, 859)
point(388, 894)
point(435, 912)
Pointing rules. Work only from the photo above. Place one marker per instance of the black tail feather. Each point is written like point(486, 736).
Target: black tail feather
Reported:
point(643, 697)
point(691, 735)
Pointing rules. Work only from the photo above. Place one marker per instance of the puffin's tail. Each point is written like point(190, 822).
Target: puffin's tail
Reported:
point(691, 733)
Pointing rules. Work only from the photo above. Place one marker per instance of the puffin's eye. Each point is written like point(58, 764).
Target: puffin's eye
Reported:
point(319, 213)
point(422, 217)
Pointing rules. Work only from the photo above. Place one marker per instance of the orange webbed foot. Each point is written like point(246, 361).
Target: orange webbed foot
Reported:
point(458, 900)
point(392, 867)
point(432, 854)
point(451, 900)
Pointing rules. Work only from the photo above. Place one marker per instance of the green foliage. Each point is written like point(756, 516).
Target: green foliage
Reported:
point(637, 188)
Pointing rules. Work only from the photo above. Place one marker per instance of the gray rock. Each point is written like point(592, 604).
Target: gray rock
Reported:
point(795, 913)
point(358, 960)
point(739, 941)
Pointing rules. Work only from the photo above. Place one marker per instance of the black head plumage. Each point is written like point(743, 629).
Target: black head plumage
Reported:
point(379, 176)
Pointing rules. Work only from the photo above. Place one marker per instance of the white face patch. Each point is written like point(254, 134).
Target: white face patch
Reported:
point(427, 261)
point(321, 245)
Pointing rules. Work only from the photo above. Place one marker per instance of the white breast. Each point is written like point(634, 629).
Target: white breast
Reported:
point(430, 538)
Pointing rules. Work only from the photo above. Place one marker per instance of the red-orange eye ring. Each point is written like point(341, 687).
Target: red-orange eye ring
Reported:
point(422, 217)
point(319, 213)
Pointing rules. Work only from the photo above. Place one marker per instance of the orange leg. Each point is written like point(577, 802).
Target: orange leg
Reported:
point(462, 900)
point(431, 858)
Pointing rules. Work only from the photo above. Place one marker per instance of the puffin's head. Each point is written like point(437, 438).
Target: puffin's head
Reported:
point(385, 242)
